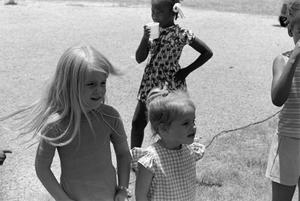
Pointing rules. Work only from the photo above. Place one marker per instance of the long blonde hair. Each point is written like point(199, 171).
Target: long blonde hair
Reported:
point(61, 102)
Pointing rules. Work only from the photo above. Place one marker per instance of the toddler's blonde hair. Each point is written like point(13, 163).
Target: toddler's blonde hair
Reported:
point(164, 107)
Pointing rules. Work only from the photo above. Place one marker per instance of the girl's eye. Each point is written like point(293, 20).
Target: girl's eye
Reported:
point(91, 84)
point(185, 123)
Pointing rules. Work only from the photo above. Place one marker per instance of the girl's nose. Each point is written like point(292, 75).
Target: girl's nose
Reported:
point(194, 127)
point(100, 89)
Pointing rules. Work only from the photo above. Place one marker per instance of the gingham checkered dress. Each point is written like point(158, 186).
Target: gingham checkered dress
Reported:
point(174, 171)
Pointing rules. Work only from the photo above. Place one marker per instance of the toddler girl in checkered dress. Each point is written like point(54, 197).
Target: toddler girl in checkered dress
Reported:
point(163, 64)
point(166, 170)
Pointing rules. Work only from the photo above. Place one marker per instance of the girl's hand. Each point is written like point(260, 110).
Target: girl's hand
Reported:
point(3, 155)
point(146, 32)
point(181, 75)
point(296, 51)
point(121, 196)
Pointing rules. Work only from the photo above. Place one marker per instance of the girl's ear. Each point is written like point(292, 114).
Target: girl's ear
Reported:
point(162, 128)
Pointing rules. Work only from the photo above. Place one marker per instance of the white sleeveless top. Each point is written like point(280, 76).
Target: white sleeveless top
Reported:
point(289, 117)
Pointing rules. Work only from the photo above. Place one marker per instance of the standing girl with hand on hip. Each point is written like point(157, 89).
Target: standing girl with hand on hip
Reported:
point(166, 170)
point(73, 119)
point(163, 64)
point(284, 157)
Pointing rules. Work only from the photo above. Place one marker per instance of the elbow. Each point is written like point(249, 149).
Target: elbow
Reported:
point(209, 54)
point(278, 98)
point(277, 101)
point(138, 60)
point(140, 57)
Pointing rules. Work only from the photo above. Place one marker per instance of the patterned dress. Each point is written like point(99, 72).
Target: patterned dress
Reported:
point(162, 65)
point(174, 171)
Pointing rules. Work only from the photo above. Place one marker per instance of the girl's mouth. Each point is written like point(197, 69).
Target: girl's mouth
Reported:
point(96, 98)
point(191, 135)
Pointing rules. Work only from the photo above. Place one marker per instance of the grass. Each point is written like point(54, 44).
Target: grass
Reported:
point(261, 7)
point(235, 164)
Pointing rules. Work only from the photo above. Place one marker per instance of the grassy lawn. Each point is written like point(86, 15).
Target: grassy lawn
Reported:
point(235, 165)
point(261, 7)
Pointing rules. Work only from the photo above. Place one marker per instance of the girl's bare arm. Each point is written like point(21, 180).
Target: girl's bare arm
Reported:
point(142, 52)
point(143, 182)
point(283, 73)
point(44, 173)
point(123, 163)
point(205, 54)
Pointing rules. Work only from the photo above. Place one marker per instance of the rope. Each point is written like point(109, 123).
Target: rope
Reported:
point(240, 128)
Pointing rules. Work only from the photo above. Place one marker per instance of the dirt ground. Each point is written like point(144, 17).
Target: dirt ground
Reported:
point(231, 90)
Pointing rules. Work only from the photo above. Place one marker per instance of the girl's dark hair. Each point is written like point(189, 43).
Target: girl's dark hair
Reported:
point(171, 3)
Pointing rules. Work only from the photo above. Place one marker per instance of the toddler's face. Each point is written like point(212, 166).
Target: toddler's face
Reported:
point(94, 89)
point(183, 129)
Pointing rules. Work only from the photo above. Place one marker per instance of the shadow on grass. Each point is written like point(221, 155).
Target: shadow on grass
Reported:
point(208, 183)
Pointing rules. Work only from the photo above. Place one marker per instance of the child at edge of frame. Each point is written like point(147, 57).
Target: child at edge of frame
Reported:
point(283, 167)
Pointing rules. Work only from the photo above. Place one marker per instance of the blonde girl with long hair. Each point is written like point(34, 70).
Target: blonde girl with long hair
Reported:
point(72, 118)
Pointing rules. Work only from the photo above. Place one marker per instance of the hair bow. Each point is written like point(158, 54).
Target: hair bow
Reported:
point(177, 9)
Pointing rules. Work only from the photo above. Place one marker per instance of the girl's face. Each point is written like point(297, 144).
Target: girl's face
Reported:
point(294, 30)
point(162, 13)
point(94, 89)
point(181, 130)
